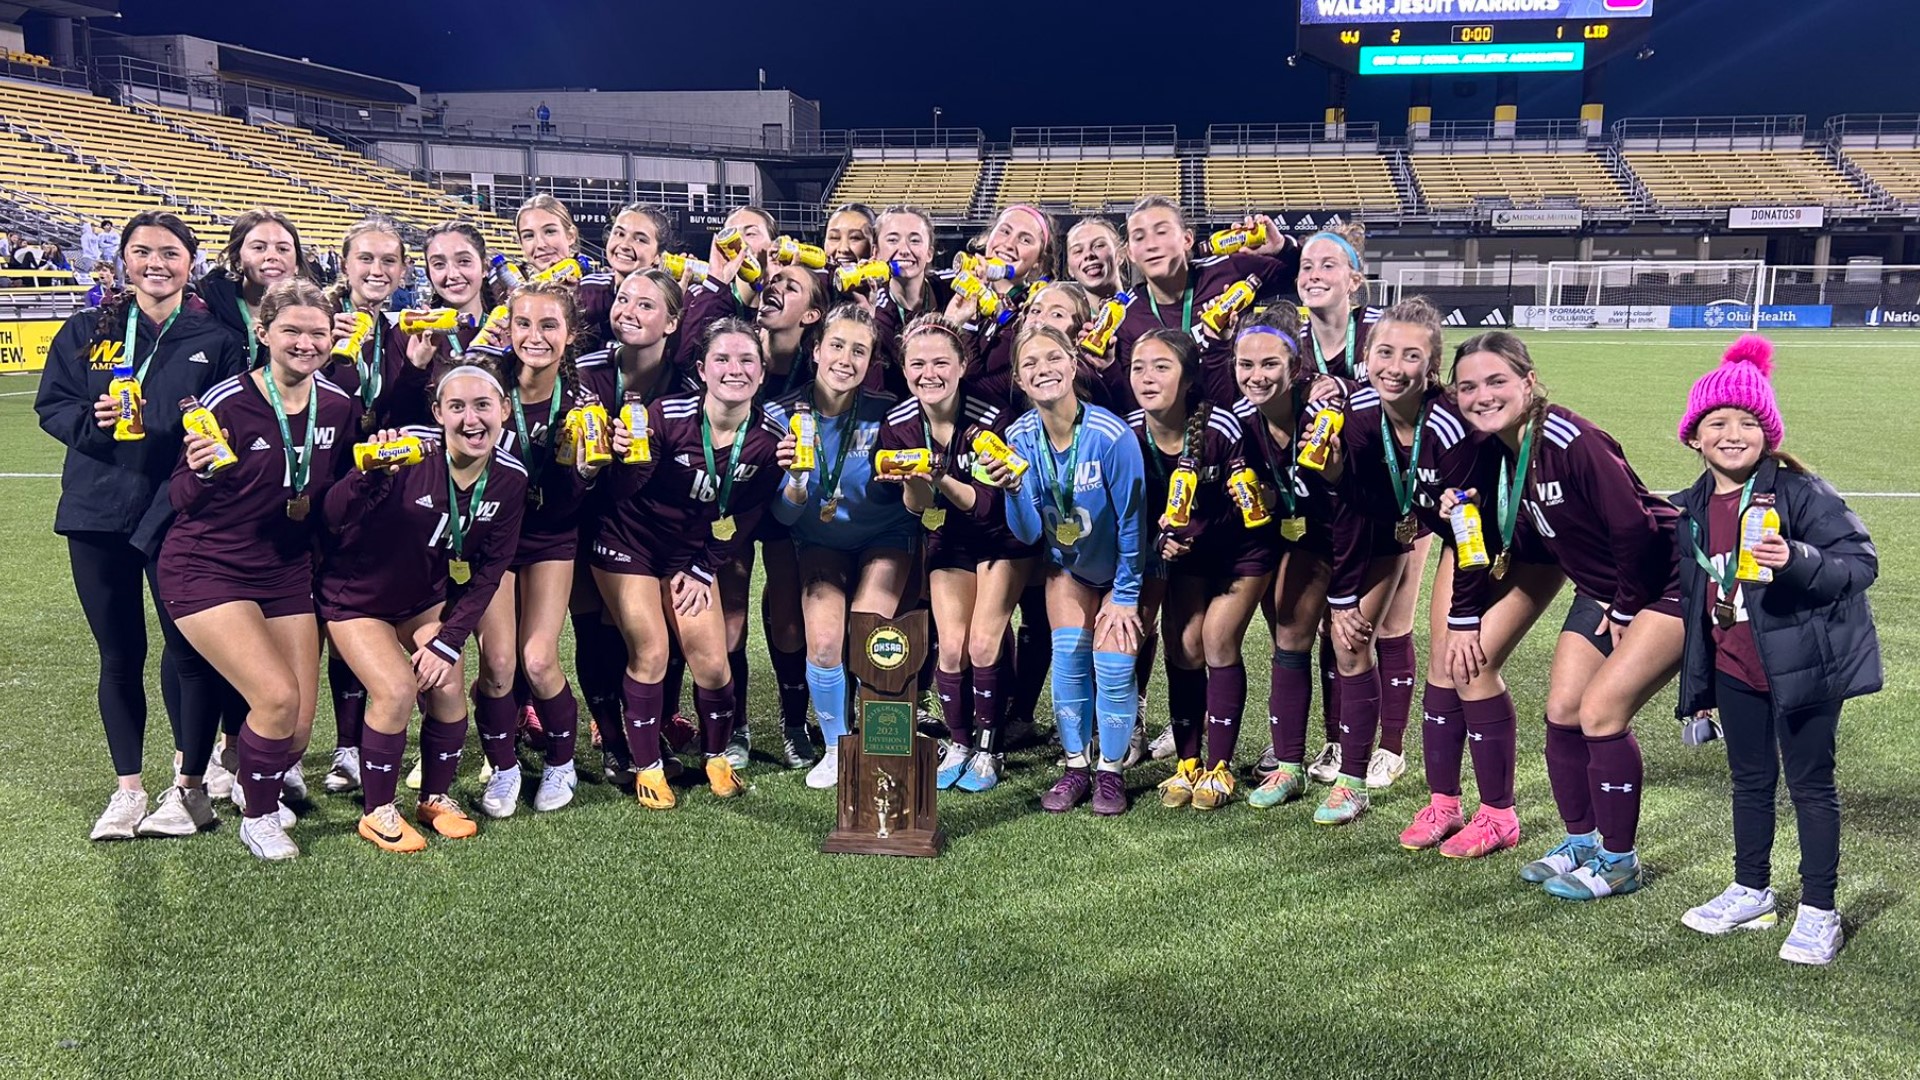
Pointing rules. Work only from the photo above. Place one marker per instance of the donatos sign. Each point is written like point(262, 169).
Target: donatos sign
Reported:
point(24, 344)
point(887, 648)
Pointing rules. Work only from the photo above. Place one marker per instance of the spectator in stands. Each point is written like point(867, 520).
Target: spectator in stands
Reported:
point(89, 252)
point(102, 284)
point(6, 247)
point(545, 116)
point(24, 256)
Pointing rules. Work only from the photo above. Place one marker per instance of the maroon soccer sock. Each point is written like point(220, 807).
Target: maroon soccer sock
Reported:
point(716, 717)
point(498, 719)
point(1443, 739)
point(989, 703)
point(1329, 689)
point(349, 701)
point(1032, 655)
point(1288, 701)
point(642, 730)
point(1615, 774)
point(1396, 666)
point(1567, 776)
point(956, 704)
point(1186, 708)
point(380, 757)
point(599, 657)
point(1493, 735)
point(790, 678)
point(262, 760)
point(1143, 672)
point(1226, 700)
point(441, 745)
point(1359, 720)
point(739, 671)
point(560, 719)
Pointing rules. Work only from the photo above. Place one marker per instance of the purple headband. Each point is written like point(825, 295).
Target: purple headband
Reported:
point(1293, 344)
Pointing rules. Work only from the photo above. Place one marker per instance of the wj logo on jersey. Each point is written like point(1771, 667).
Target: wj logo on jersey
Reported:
point(1548, 493)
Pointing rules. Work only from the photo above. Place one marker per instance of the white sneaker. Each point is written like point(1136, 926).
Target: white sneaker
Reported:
point(286, 815)
point(413, 776)
point(1327, 765)
point(293, 783)
point(1816, 937)
point(345, 774)
point(826, 773)
point(1162, 747)
point(502, 796)
point(180, 812)
point(219, 780)
point(1384, 767)
point(1738, 908)
point(267, 838)
point(124, 812)
point(557, 785)
point(1136, 747)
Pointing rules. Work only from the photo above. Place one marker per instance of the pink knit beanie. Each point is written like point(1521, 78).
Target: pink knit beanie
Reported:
point(1741, 381)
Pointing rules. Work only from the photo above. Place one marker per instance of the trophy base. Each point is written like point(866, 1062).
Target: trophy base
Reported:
point(905, 782)
point(913, 844)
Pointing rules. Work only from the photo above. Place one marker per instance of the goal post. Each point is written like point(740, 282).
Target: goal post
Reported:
point(1642, 294)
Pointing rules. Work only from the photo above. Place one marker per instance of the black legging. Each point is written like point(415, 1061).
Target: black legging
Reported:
point(106, 575)
point(1760, 747)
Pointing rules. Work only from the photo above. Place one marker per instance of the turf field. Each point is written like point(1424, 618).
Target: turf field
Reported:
point(607, 941)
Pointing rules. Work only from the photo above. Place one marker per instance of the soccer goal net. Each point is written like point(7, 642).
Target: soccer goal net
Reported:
point(1647, 295)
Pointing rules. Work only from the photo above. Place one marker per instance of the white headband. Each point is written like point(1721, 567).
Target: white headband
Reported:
point(474, 371)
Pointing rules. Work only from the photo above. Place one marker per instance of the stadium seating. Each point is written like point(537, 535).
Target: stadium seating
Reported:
point(1896, 171)
point(1716, 178)
point(70, 193)
point(1088, 184)
point(942, 187)
point(1455, 181)
point(1359, 182)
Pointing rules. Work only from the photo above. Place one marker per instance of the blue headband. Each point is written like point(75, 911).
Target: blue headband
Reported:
point(1353, 257)
point(1292, 345)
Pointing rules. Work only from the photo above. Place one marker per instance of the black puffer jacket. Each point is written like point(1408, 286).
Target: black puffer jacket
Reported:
point(1813, 625)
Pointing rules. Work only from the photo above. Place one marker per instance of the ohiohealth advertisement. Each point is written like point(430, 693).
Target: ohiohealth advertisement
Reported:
point(1349, 12)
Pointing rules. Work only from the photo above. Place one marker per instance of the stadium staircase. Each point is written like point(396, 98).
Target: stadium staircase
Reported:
point(1405, 184)
point(1638, 198)
point(1193, 178)
point(986, 192)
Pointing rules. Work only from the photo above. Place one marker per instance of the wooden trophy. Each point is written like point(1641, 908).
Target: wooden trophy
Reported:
point(886, 766)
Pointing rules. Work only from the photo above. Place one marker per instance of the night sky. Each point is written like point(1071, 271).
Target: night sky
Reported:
point(1057, 63)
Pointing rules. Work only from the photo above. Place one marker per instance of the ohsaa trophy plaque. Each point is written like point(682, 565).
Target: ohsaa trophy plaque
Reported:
point(886, 766)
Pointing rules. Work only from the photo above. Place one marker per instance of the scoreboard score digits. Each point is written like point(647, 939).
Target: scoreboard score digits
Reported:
point(1467, 37)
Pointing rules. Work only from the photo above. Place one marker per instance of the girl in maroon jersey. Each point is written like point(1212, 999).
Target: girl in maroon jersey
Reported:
point(417, 555)
point(1279, 399)
point(976, 568)
point(849, 236)
point(1176, 288)
point(645, 315)
point(373, 263)
point(671, 525)
point(520, 632)
point(236, 570)
point(905, 239)
point(263, 249)
point(635, 239)
point(546, 232)
point(1622, 639)
point(1026, 240)
point(1096, 256)
point(1211, 572)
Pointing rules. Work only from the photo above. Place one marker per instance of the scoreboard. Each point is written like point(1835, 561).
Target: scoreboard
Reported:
point(1470, 37)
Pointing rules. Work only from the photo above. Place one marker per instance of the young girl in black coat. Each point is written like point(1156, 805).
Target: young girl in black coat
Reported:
point(1773, 571)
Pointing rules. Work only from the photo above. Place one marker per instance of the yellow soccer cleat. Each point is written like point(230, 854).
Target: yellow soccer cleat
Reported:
point(725, 782)
point(651, 790)
point(1177, 790)
point(1214, 788)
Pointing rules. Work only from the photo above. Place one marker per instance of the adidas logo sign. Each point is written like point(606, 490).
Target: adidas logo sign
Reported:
point(1456, 317)
point(198, 358)
point(684, 460)
point(259, 443)
point(1496, 318)
point(424, 500)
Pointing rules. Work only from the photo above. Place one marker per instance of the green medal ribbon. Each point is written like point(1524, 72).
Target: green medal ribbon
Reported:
point(830, 479)
point(706, 448)
point(456, 531)
point(133, 326)
point(1726, 580)
point(253, 342)
point(1186, 306)
point(299, 466)
point(1063, 500)
point(1510, 492)
point(370, 373)
point(1320, 358)
point(534, 465)
point(1403, 483)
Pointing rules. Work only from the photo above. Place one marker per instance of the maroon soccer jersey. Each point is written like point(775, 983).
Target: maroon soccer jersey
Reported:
point(963, 540)
point(392, 544)
point(1588, 510)
point(593, 301)
point(1207, 278)
point(1275, 465)
point(659, 519)
point(233, 537)
point(1349, 363)
point(1735, 652)
point(1215, 527)
point(555, 491)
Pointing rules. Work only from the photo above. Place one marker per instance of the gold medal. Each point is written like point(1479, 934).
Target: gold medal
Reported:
point(829, 508)
point(1405, 530)
point(1292, 529)
point(933, 519)
point(460, 571)
point(1067, 532)
point(1724, 614)
point(1499, 566)
point(724, 528)
point(298, 506)
point(366, 422)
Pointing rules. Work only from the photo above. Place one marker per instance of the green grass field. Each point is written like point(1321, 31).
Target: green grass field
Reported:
point(608, 941)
